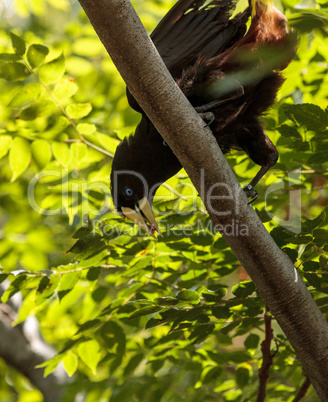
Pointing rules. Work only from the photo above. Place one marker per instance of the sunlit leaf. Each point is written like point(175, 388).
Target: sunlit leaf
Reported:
point(78, 110)
point(5, 141)
point(145, 311)
point(18, 44)
point(41, 108)
point(19, 157)
point(36, 54)
point(243, 289)
point(52, 71)
point(189, 296)
point(70, 363)
point(65, 89)
point(62, 153)
point(86, 128)
point(67, 283)
point(89, 353)
point(14, 71)
point(243, 374)
point(41, 152)
point(308, 115)
point(28, 93)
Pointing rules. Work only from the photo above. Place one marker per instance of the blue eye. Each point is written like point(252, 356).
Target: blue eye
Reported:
point(128, 192)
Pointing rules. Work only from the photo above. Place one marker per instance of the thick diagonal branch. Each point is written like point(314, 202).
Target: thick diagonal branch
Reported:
point(136, 58)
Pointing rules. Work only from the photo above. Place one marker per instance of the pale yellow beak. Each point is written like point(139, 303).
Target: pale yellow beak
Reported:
point(143, 217)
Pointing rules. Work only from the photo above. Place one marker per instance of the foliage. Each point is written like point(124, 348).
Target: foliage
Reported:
point(133, 318)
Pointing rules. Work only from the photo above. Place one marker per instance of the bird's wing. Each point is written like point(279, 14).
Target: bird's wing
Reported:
point(191, 29)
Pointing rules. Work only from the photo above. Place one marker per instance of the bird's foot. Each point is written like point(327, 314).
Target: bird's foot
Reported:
point(251, 193)
point(207, 116)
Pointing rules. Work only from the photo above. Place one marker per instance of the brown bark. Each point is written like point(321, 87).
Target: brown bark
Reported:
point(267, 358)
point(22, 348)
point(134, 55)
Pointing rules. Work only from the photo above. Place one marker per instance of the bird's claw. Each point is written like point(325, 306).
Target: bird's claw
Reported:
point(251, 193)
point(209, 116)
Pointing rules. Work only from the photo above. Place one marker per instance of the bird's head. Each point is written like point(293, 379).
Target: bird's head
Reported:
point(130, 188)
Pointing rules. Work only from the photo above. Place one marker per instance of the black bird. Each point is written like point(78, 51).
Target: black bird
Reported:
point(227, 74)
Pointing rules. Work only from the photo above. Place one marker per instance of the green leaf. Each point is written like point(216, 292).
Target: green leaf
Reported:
point(216, 296)
point(46, 288)
point(5, 141)
point(95, 258)
point(221, 312)
point(36, 54)
point(41, 152)
point(78, 110)
point(200, 333)
point(9, 57)
point(166, 301)
point(189, 296)
point(252, 341)
point(67, 283)
point(311, 266)
point(313, 280)
point(92, 242)
point(107, 142)
point(3, 277)
point(52, 71)
point(50, 364)
point(243, 374)
point(70, 362)
point(308, 115)
point(320, 237)
point(82, 232)
point(93, 274)
point(289, 131)
point(87, 326)
point(145, 311)
point(203, 238)
point(243, 289)
point(79, 151)
point(300, 239)
point(86, 128)
point(41, 108)
point(16, 285)
point(28, 93)
point(18, 44)
point(65, 89)
point(133, 363)
point(292, 253)
point(309, 225)
point(211, 374)
point(14, 71)
point(89, 353)
point(19, 157)
point(62, 153)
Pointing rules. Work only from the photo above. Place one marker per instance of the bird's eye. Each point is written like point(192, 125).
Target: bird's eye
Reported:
point(128, 192)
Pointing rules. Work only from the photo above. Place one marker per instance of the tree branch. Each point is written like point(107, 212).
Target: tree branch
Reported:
point(303, 390)
point(22, 348)
point(266, 357)
point(136, 58)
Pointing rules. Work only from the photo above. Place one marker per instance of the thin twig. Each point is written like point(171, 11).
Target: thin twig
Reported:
point(69, 271)
point(267, 357)
point(303, 390)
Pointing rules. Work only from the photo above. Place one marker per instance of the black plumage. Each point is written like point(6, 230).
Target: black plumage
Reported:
point(222, 71)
